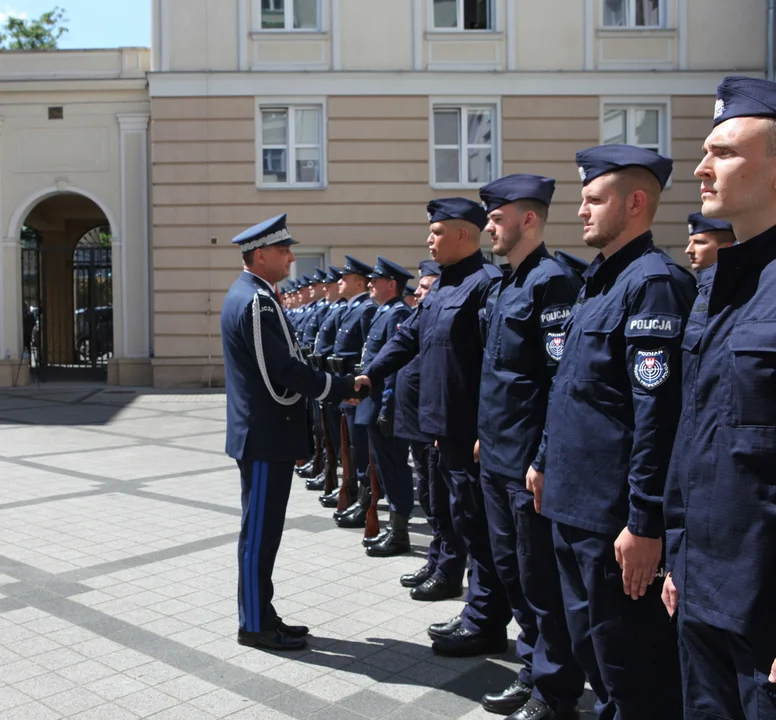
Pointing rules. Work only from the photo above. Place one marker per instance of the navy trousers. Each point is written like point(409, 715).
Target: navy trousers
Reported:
point(627, 648)
point(333, 415)
point(390, 456)
point(446, 554)
point(359, 438)
point(521, 543)
point(265, 490)
point(487, 608)
point(723, 676)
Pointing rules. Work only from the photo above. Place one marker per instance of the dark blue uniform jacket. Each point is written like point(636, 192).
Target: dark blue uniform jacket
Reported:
point(615, 402)
point(354, 322)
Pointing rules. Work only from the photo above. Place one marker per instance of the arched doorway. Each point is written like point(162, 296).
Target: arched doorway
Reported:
point(67, 289)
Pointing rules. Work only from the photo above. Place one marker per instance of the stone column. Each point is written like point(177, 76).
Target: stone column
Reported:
point(131, 314)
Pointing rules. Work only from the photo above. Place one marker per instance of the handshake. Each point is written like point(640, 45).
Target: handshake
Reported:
point(362, 386)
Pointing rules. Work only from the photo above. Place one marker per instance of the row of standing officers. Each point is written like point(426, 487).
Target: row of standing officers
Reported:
point(603, 434)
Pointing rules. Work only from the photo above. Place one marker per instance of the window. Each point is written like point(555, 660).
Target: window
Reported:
point(463, 14)
point(463, 145)
point(290, 14)
point(306, 264)
point(641, 125)
point(633, 13)
point(292, 146)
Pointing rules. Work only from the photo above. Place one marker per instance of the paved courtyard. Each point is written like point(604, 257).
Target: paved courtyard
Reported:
point(119, 515)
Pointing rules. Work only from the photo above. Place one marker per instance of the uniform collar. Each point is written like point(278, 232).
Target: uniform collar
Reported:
point(357, 298)
point(254, 279)
point(390, 303)
point(529, 262)
point(461, 269)
point(603, 269)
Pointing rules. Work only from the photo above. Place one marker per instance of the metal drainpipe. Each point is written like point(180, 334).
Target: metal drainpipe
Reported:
point(771, 21)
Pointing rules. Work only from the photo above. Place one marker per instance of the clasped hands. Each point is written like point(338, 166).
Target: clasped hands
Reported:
point(362, 385)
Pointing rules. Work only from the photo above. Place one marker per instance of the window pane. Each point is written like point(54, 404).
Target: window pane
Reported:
point(476, 15)
point(480, 124)
point(647, 13)
point(647, 128)
point(306, 14)
point(614, 13)
point(446, 127)
point(272, 14)
point(275, 166)
point(308, 165)
point(446, 166)
point(445, 13)
point(308, 127)
point(480, 165)
point(306, 264)
point(274, 124)
point(614, 126)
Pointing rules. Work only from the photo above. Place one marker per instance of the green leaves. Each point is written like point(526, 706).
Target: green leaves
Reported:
point(40, 34)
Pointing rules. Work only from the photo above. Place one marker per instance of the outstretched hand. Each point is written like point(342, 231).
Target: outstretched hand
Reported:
point(363, 380)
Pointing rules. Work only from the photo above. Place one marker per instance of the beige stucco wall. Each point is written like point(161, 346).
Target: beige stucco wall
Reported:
point(199, 34)
point(544, 43)
point(204, 190)
point(364, 48)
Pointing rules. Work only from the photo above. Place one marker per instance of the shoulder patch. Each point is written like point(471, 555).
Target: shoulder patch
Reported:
point(554, 344)
point(555, 315)
point(650, 368)
point(653, 325)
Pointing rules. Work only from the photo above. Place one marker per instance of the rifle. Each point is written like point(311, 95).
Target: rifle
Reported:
point(330, 483)
point(372, 528)
point(343, 501)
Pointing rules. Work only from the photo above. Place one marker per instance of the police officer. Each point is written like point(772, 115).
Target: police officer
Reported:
point(410, 296)
point(441, 576)
point(526, 316)
point(707, 236)
point(268, 387)
point(377, 411)
point(354, 324)
point(610, 424)
point(721, 508)
point(446, 334)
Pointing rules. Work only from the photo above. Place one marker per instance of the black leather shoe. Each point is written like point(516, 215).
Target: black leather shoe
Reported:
point(316, 484)
point(395, 543)
point(304, 468)
point(376, 540)
point(463, 643)
point(355, 519)
point(337, 514)
point(438, 630)
point(435, 588)
point(536, 710)
point(508, 701)
point(330, 500)
point(413, 580)
point(294, 631)
point(271, 640)
point(311, 470)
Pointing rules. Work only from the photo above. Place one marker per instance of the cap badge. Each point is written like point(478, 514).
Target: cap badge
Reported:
point(719, 108)
point(582, 173)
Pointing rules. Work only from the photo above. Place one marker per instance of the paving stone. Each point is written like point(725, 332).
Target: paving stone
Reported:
point(42, 686)
point(147, 702)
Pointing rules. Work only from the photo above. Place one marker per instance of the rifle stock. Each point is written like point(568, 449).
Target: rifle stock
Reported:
point(344, 500)
point(372, 528)
point(330, 462)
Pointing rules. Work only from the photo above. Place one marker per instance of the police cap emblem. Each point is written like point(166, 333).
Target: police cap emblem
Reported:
point(650, 368)
point(719, 108)
point(582, 173)
point(554, 344)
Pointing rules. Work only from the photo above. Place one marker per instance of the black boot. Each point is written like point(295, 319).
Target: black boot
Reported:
point(397, 542)
point(357, 518)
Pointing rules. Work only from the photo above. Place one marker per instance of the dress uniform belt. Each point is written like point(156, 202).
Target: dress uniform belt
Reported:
point(340, 364)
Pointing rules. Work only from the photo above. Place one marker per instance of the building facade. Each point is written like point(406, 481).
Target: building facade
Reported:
point(350, 115)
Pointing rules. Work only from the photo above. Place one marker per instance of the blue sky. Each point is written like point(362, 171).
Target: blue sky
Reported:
point(92, 23)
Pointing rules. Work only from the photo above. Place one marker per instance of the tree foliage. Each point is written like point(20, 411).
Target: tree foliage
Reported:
point(40, 34)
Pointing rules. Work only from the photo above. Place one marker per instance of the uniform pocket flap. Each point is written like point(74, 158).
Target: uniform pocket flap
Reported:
point(605, 322)
point(754, 337)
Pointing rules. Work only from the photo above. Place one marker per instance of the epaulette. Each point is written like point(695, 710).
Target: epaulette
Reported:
point(494, 272)
point(578, 265)
point(654, 265)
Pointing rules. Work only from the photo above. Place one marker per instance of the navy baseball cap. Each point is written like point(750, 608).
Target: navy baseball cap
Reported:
point(603, 159)
point(457, 209)
point(516, 187)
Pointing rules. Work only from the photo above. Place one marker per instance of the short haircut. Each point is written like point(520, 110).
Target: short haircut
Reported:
point(536, 206)
point(636, 178)
point(723, 237)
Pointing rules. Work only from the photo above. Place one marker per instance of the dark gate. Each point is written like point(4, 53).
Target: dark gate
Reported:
point(67, 298)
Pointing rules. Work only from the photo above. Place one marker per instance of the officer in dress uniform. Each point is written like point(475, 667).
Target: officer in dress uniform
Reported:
point(611, 420)
point(526, 316)
point(446, 334)
point(721, 508)
point(707, 236)
point(441, 576)
point(376, 412)
point(354, 324)
point(268, 388)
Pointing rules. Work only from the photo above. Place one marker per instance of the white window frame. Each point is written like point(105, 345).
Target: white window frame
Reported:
point(288, 18)
point(630, 15)
point(494, 7)
point(314, 251)
point(291, 105)
point(661, 104)
point(463, 105)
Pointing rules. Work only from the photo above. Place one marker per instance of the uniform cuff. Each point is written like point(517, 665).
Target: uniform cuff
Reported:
point(326, 389)
point(647, 524)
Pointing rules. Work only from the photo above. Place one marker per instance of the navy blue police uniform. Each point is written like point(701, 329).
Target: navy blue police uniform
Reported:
point(446, 334)
point(721, 509)
point(611, 420)
point(320, 308)
point(268, 389)
point(525, 320)
point(376, 412)
point(307, 310)
point(354, 323)
point(442, 574)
